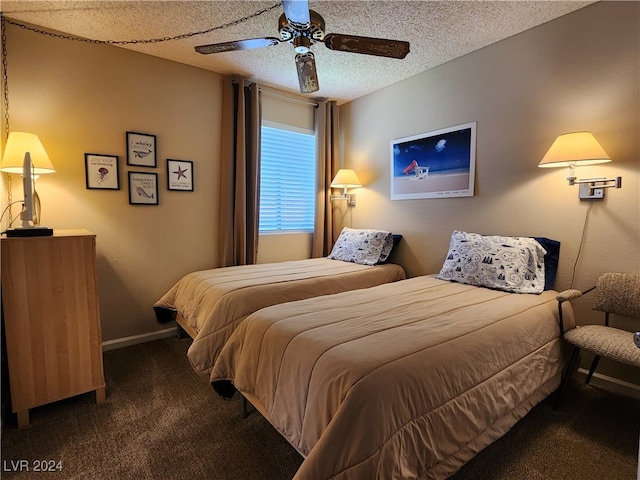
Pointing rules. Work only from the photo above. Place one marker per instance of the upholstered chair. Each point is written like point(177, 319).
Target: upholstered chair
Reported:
point(615, 293)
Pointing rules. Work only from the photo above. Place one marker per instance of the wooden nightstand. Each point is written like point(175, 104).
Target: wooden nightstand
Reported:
point(52, 319)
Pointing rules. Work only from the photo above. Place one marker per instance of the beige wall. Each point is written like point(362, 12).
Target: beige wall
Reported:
point(81, 98)
point(579, 72)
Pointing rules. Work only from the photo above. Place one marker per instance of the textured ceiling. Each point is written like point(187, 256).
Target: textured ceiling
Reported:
point(438, 31)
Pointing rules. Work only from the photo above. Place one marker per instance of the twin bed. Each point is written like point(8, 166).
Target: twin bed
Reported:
point(407, 379)
point(210, 304)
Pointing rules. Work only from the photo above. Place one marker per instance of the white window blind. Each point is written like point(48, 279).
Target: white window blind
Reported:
point(287, 180)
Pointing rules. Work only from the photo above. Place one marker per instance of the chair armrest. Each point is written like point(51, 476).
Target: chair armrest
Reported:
point(567, 295)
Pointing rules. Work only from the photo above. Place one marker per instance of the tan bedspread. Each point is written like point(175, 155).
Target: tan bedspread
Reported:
point(405, 380)
point(215, 301)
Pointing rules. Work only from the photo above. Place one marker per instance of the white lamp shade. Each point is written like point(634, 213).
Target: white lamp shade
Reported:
point(18, 144)
point(346, 178)
point(572, 149)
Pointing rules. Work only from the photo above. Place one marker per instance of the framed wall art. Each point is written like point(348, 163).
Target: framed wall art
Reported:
point(101, 171)
point(180, 175)
point(141, 149)
point(436, 164)
point(143, 188)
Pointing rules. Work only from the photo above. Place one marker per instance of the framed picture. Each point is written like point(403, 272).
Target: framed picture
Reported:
point(436, 164)
point(180, 175)
point(141, 149)
point(143, 188)
point(101, 171)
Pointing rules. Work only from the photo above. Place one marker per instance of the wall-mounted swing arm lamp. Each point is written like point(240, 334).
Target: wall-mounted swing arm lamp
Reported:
point(579, 149)
point(344, 179)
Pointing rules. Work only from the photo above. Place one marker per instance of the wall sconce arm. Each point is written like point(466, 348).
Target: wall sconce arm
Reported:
point(349, 197)
point(598, 182)
point(593, 188)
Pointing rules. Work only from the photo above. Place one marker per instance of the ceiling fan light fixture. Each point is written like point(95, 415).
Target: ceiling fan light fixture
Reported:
point(301, 44)
point(307, 76)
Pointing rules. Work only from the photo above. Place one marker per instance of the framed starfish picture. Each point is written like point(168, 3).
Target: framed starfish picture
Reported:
point(180, 175)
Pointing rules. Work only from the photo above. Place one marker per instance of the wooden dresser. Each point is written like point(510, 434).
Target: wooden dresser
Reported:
point(52, 319)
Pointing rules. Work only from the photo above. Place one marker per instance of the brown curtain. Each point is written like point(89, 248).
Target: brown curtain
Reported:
point(328, 161)
point(240, 175)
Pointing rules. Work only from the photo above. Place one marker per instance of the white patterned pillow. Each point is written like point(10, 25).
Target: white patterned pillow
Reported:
point(364, 246)
point(514, 264)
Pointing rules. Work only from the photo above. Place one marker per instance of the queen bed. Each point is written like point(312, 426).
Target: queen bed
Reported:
point(404, 380)
point(210, 304)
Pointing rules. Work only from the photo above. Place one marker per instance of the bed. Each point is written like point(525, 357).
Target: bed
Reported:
point(210, 304)
point(404, 380)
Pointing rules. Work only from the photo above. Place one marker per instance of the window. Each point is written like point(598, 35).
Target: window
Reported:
point(287, 180)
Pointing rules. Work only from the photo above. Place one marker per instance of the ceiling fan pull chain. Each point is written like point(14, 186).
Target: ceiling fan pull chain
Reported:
point(5, 90)
point(142, 41)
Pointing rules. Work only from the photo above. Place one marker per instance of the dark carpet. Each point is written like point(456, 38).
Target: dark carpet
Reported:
point(161, 420)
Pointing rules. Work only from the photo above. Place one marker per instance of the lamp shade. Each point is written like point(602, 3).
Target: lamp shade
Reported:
point(346, 178)
point(18, 144)
point(572, 149)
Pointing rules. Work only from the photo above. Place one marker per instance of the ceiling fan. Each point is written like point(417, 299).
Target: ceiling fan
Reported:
point(303, 27)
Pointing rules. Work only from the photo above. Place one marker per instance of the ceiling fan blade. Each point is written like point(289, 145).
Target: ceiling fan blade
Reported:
point(380, 47)
point(297, 12)
point(237, 45)
point(307, 76)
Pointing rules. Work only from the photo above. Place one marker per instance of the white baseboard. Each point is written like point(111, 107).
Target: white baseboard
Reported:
point(135, 339)
point(611, 383)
